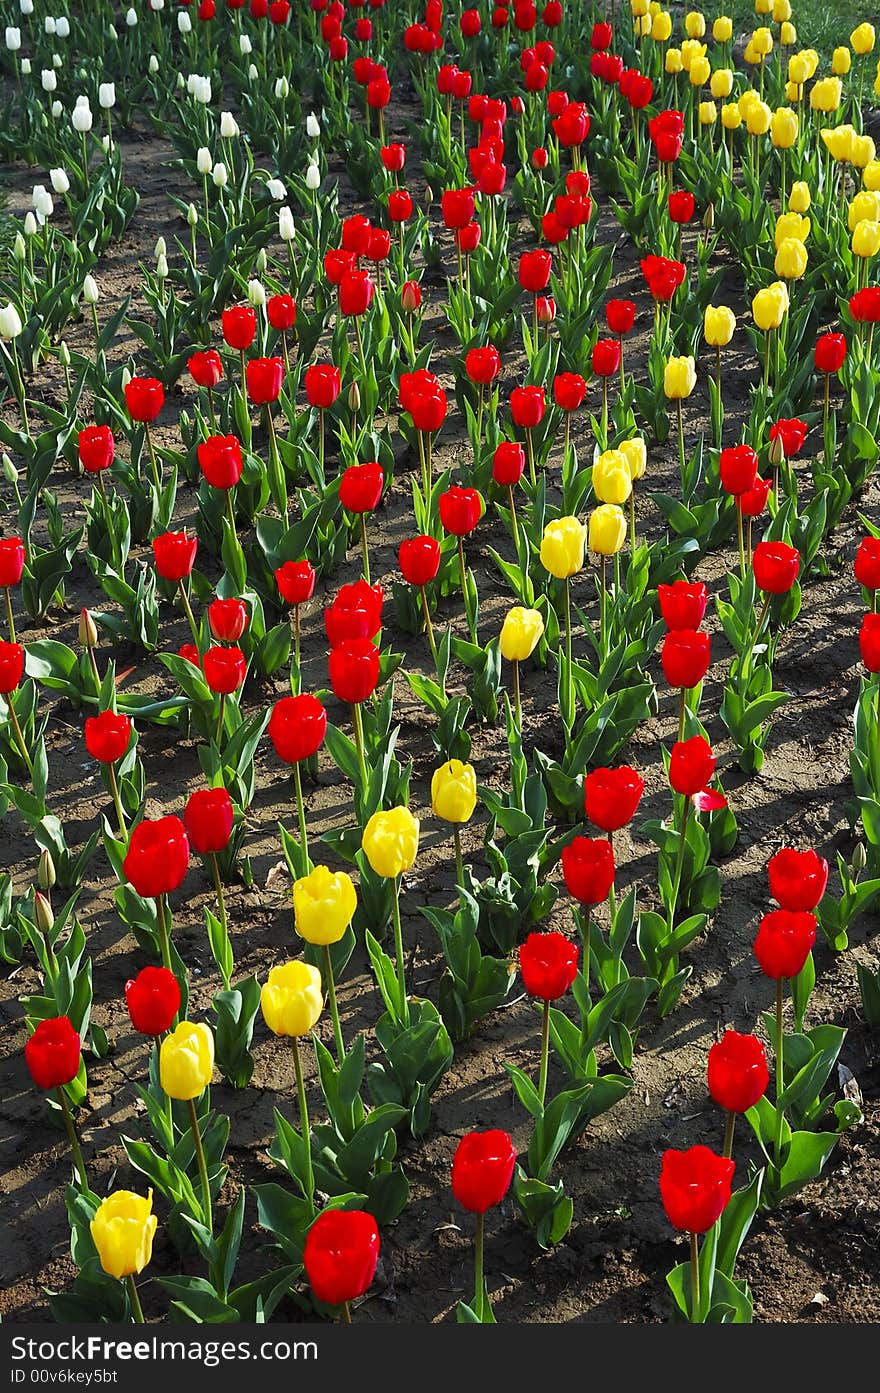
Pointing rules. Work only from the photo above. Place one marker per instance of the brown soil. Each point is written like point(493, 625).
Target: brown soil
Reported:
point(816, 1259)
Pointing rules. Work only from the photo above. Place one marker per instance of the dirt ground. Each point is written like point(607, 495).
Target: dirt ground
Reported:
point(814, 1260)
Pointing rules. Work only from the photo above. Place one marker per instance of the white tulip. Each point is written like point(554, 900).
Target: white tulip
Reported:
point(184, 23)
point(285, 224)
point(25, 67)
point(192, 215)
point(161, 248)
point(131, 18)
point(26, 6)
point(256, 294)
point(82, 119)
point(277, 189)
point(253, 73)
point(10, 322)
point(111, 30)
point(62, 27)
point(313, 126)
point(282, 89)
point(107, 96)
point(13, 39)
point(19, 249)
point(106, 144)
point(313, 177)
point(42, 201)
point(126, 377)
point(204, 160)
point(30, 225)
point(57, 60)
point(157, 5)
point(59, 180)
point(57, 110)
point(153, 64)
point(244, 45)
point(49, 80)
point(162, 268)
point(49, 25)
point(228, 126)
point(90, 290)
point(220, 175)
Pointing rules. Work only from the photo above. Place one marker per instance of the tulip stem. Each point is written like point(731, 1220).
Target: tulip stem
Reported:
point(9, 614)
point(75, 1147)
point(334, 1005)
point(429, 627)
point(517, 698)
point(154, 463)
point(220, 720)
point(162, 921)
point(203, 1166)
point(681, 456)
point(19, 737)
point(780, 1071)
point(462, 568)
point(530, 449)
point(679, 865)
point(569, 683)
point(304, 1124)
point(117, 801)
point(695, 1278)
point(728, 1135)
point(230, 512)
point(276, 473)
point(602, 609)
point(682, 711)
point(357, 721)
point(423, 461)
point(301, 819)
point(479, 1282)
point(398, 951)
point(632, 521)
point(364, 548)
point(137, 1310)
point(218, 886)
point(459, 863)
point(545, 1052)
point(294, 686)
point(513, 517)
point(346, 1313)
point(190, 617)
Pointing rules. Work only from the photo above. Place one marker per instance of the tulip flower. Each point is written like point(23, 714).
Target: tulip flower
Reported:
point(360, 490)
point(145, 397)
point(588, 871)
point(683, 604)
point(291, 1003)
point(520, 633)
point(227, 619)
point(782, 946)
point(685, 658)
point(737, 1077)
point(153, 1000)
point(208, 818)
point(390, 843)
point(548, 963)
point(297, 727)
point(186, 1063)
point(419, 561)
point(107, 737)
point(123, 1229)
point(12, 558)
point(206, 370)
point(482, 1169)
point(155, 865)
point(866, 567)
point(174, 555)
point(453, 799)
point(695, 1190)
point(340, 1256)
point(296, 585)
point(323, 908)
point(53, 1055)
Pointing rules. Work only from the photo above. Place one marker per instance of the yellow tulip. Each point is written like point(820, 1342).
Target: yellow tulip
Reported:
point(758, 117)
point(719, 323)
point(722, 29)
point(781, 11)
point(642, 26)
point(611, 479)
point(639, 8)
point(708, 113)
point(186, 1060)
point(799, 199)
point(661, 27)
point(763, 7)
point(862, 38)
point(841, 61)
point(866, 238)
point(826, 94)
point(607, 529)
point(871, 175)
point(839, 141)
point(454, 786)
point(798, 69)
point(695, 24)
point(679, 378)
point(791, 225)
point(864, 151)
point(391, 841)
point(123, 1230)
point(787, 34)
point(791, 259)
point(562, 547)
point(812, 61)
point(731, 117)
point(700, 71)
point(323, 905)
point(290, 999)
point(763, 42)
point(673, 63)
point(746, 100)
point(690, 50)
point(635, 452)
point(865, 205)
point(784, 127)
point(520, 633)
point(770, 306)
point(792, 92)
point(721, 83)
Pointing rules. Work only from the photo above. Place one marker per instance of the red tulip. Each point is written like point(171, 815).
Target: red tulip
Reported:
point(457, 207)
point(573, 126)
point(11, 666)
point(297, 727)
point(792, 432)
point(685, 657)
point(295, 581)
point(691, 765)
point(228, 619)
point(206, 368)
point(737, 1071)
point(663, 276)
point(527, 406)
point(174, 554)
point(393, 157)
point(508, 463)
point(866, 567)
point(869, 643)
point(220, 459)
point(601, 36)
point(695, 1187)
point(356, 235)
point(340, 1254)
point(864, 306)
point(354, 670)
point(783, 942)
point(681, 206)
point(738, 467)
point(620, 316)
point(588, 869)
point(355, 613)
point(355, 293)
point(830, 353)
point(483, 365)
point(548, 963)
point(225, 669)
point(239, 325)
point(460, 510)
point(265, 378)
point(208, 818)
point(534, 270)
point(53, 1053)
point(96, 448)
point(482, 1169)
point(400, 206)
point(144, 397)
point(682, 604)
point(606, 357)
point(281, 312)
point(754, 501)
point(776, 567)
point(153, 1000)
point(419, 560)
point(107, 736)
point(360, 487)
point(11, 561)
point(611, 796)
point(797, 878)
point(158, 856)
point(323, 385)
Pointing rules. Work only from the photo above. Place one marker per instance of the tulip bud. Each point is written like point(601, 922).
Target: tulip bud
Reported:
point(256, 293)
point(10, 473)
point(286, 229)
point(106, 96)
point(219, 175)
point(161, 248)
point(253, 72)
point(162, 268)
point(153, 64)
point(43, 916)
point(10, 322)
point(113, 33)
point(204, 160)
point(90, 290)
point(313, 126)
point(282, 89)
point(776, 453)
point(46, 876)
point(48, 80)
point(228, 125)
point(30, 225)
point(709, 217)
point(184, 23)
point(64, 354)
point(313, 177)
point(19, 250)
point(87, 630)
point(261, 263)
point(410, 298)
point(56, 110)
point(131, 18)
point(62, 27)
point(126, 377)
point(429, 195)
point(859, 860)
point(81, 119)
point(244, 45)
point(192, 215)
point(354, 397)
point(59, 181)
